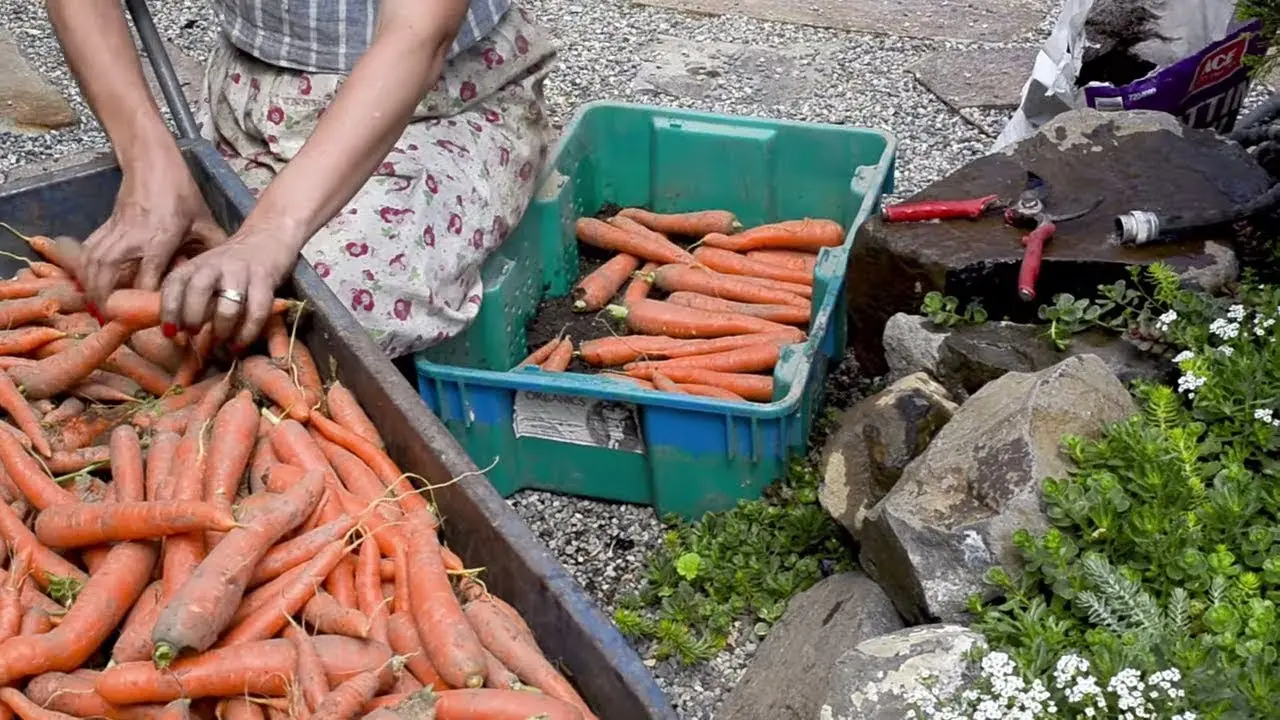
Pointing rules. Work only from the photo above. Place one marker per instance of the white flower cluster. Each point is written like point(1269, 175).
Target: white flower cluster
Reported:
point(1165, 321)
point(1266, 415)
point(1000, 692)
point(1262, 324)
point(1225, 329)
point(1189, 383)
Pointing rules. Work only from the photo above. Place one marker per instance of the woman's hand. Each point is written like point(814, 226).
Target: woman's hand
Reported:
point(233, 285)
point(157, 210)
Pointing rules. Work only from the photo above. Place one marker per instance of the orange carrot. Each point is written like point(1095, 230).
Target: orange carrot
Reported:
point(101, 393)
point(756, 358)
point(134, 642)
point(449, 640)
point(490, 704)
point(653, 317)
point(148, 375)
point(504, 639)
point(59, 373)
point(690, 224)
point(195, 356)
point(403, 637)
point(76, 325)
point(310, 671)
point(640, 284)
point(23, 414)
point(787, 314)
point(86, 524)
point(37, 487)
point(809, 235)
point(63, 462)
point(271, 619)
point(160, 460)
point(596, 289)
point(710, 391)
point(82, 430)
point(32, 598)
point(560, 357)
point(369, 598)
point(758, 388)
point(53, 347)
point(326, 614)
point(731, 263)
point(661, 383)
point(13, 289)
point(60, 251)
point(99, 607)
point(539, 356)
point(141, 308)
point(24, 311)
point(409, 497)
point(497, 676)
point(36, 621)
point(301, 367)
point(69, 299)
point(262, 668)
point(24, 340)
point(400, 558)
point(151, 344)
point(276, 385)
point(600, 234)
point(345, 701)
point(74, 695)
point(672, 278)
point(66, 410)
point(20, 705)
point(292, 553)
point(230, 444)
point(203, 607)
point(805, 262)
point(341, 583)
point(345, 410)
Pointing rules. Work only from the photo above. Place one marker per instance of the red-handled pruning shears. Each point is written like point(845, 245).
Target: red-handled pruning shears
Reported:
point(1027, 211)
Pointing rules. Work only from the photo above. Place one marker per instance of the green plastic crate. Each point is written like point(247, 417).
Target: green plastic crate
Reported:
point(604, 438)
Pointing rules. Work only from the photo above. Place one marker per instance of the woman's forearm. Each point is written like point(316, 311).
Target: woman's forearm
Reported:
point(101, 55)
point(369, 114)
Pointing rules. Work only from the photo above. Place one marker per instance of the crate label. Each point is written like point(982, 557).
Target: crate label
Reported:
point(578, 420)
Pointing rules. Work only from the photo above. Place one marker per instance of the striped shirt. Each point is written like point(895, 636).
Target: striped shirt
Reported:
point(327, 35)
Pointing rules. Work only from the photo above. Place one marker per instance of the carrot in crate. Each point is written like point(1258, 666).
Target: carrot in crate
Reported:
point(807, 235)
point(59, 373)
point(539, 356)
point(710, 391)
point(23, 414)
point(786, 314)
point(654, 248)
point(690, 224)
point(596, 289)
point(805, 262)
point(560, 357)
point(731, 263)
point(749, 359)
point(24, 340)
point(661, 383)
point(671, 278)
point(653, 317)
point(345, 410)
point(757, 388)
point(276, 385)
point(640, 284)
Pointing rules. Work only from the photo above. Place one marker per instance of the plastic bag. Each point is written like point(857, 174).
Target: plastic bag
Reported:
point(1183, 57)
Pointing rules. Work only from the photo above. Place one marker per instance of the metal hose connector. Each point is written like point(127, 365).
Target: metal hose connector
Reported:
point(1138, 227)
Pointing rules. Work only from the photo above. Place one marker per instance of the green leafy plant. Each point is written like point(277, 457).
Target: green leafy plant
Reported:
point(1068, 316)
point(738, 567)
point(942, 310)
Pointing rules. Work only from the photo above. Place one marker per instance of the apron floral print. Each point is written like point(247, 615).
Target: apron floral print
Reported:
point(405, 254)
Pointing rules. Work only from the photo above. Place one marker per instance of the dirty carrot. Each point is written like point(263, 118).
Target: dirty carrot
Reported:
point(101, 604)
point(600, 234)
point(640, 284)
point(539, 356)
point(806, 262)
point(234, 430)
point(672, 278)
point(490, 704)
point(73, 694)
point(309, 674)
point(24, 340)
point(504, 639)
point(87, 524)
point(82, 430)
point(560, 357)
point(327, 615)
point(408, 497)
point(60, 372)
point(690, 224)
point(613, 351)
point(731, 263)
point(297, 551)
point(194, 358)
point(653, 317)
point(203, 607)
point(448, 639)
point(346, 700)
point(261, 668)
point(141, 308)
point(151, 344)
point(101, 393)
point(786, 314)
point(369, 597)
point(497, 676)
point(756, 358)
point(149, 376)
point(27, 710)
point(24, 288)
point(276, 385)
point(160, 458)
point(23, 414)
point(660, 382)
point(134, 642)
point(758, 388)
point(596, 289)
point(24, 311)
point(271, 619)
point(402, 635)
point(75, 325)
point(63, 462)
point(128, 474)
point(807, 235)
point(345, 410)
point(37, 487)
point(710, 391)
point(341, 584)
point(66, 410)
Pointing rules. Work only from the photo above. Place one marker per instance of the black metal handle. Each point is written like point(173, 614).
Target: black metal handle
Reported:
point(170, 86)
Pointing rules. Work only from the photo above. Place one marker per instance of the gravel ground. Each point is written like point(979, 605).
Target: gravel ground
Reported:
point(603, 41)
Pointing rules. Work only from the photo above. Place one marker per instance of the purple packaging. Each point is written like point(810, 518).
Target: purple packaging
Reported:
point(1205, 90)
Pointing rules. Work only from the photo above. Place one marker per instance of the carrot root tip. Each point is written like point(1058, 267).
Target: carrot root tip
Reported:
point(164, 655)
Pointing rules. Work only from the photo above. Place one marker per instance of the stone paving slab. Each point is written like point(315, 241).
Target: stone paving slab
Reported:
point(30, 170)
point(28, 103)
point(675, 67)
point(976, 78)
point(980, 20)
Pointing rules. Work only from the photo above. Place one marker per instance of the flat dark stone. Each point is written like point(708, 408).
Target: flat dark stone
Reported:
point(1130, 160)
point(978, 77)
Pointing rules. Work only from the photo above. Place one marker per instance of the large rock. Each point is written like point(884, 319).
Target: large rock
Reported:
point(911, 344)
point(789, 675)
point(953, 514)
point(1131, 160)
point(873, 443)
point(878, 679)
point(27, 102)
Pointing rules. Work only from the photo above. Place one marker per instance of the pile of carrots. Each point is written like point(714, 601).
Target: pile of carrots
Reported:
point(185, 537)
point(732, 300)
